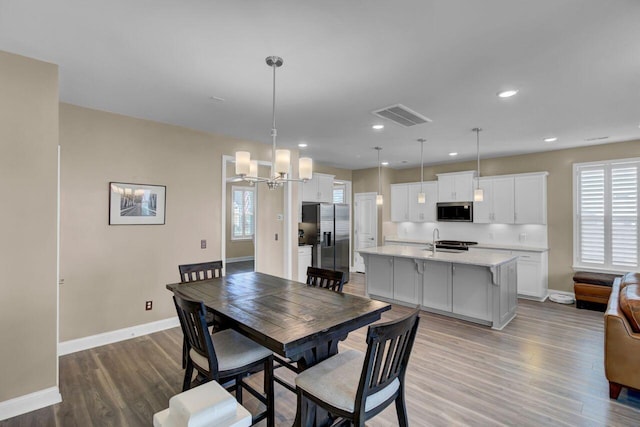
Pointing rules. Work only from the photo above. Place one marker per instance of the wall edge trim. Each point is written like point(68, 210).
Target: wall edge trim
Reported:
point(29, 402)
point(85, 343)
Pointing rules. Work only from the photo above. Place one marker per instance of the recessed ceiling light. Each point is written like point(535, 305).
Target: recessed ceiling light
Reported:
point(384, 163)
point(550, 139)
point(377, 127)
point(453, 154)
point(302, 145)
point(507, 93)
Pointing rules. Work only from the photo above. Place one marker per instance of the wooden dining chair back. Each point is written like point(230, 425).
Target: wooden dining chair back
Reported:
point(200, 271)
point(323, 278)
point(375, 378)
point(389, 346)
point(192, 316)
point(236, 357)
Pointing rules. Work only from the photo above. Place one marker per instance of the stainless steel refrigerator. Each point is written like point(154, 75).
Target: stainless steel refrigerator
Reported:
point(327, 228)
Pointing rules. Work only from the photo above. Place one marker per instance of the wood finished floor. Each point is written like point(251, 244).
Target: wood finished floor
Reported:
point(544, 368)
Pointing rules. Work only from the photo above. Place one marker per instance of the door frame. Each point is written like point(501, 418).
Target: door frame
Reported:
point(288, 216)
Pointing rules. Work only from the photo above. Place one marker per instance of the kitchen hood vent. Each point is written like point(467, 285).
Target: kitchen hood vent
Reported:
point(402, 115)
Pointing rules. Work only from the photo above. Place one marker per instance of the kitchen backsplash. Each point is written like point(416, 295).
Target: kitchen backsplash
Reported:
point(524, 235)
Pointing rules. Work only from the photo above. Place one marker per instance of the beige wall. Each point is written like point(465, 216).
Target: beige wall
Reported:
point(340, 174)
point(28, 220)
point(110, 271)
point(559, 164)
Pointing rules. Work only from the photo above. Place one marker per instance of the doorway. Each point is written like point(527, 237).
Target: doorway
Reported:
point(366, 226)
point(270, 243)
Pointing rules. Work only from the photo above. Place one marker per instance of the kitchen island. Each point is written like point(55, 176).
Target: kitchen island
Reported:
point(480, 287)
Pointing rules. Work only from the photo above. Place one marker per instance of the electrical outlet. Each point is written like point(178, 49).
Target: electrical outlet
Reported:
point(148, 305)
point(203, 244)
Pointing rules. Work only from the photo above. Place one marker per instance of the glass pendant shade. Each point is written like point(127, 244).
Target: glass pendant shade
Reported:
point(283, 158)
point(422, 198)
point(253, 168)
point(243, 160)
point(305, 168)
point(478, 195)
point(379, 200)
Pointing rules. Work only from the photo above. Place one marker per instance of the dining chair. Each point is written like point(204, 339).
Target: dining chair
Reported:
point(200, 271)
point(224, 356)
point(195, 273)
point(356, 386)
point(323, 278)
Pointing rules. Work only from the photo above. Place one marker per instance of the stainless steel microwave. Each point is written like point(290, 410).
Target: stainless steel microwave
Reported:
point(455, 211)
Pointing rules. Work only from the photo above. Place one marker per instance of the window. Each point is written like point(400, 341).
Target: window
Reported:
point(606, 211)
point(339, 193)
point(243, 212)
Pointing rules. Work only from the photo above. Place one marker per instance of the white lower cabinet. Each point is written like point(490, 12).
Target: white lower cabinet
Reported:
point(436, 282)
point(471, 291)
point(480, 294)
point(379, 275)
point(406, 280)
point(532, 274)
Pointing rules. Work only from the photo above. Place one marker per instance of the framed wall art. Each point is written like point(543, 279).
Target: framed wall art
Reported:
point(136, 204)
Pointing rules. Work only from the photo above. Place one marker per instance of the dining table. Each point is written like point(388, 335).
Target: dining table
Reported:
point(292, 319)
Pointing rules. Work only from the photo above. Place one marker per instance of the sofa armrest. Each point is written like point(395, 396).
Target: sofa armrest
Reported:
point(621, 344)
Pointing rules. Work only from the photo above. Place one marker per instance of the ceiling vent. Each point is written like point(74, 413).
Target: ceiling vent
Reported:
point(402, 115)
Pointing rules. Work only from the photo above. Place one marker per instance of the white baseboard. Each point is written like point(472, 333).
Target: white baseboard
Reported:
point(71, 346)
point(29, 402)
point(239, 259)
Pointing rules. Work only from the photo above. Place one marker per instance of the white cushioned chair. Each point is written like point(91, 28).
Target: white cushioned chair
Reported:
point(356, 386)
point(224, 356)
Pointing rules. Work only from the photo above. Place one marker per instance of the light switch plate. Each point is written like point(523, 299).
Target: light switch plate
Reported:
point(203, 244)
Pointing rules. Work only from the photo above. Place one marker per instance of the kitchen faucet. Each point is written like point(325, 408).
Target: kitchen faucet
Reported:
point(433, 247)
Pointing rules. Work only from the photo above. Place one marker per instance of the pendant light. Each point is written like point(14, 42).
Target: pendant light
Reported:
point(280, 159)
point(422, 198)
point(478, 193)
point(379, 199)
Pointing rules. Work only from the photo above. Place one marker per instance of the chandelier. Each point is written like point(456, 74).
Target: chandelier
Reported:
point(247, 169)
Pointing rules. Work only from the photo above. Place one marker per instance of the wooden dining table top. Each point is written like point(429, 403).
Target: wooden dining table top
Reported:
point(288, 317)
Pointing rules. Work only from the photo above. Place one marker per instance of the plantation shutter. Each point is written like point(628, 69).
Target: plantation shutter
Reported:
point(624, 215)
point(607, 214)
point(591, 215)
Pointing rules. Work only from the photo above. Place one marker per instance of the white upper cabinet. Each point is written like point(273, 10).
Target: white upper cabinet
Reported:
point(531, 198)
point(456, 186)
point(318, 189)
point(399, 202)
point(423, 212)
point(405, 206)
point(498, 201)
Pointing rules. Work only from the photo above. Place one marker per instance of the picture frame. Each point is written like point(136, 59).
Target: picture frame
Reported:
point(136, 204)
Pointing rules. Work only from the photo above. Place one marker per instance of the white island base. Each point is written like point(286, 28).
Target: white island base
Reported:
point(477, 287)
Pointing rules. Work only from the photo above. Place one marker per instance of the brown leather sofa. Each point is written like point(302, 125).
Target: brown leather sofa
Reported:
point(622, 335)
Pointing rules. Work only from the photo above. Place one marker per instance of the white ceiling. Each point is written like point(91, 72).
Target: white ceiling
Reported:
point(575, 62)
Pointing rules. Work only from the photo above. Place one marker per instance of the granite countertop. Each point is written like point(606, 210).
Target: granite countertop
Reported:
point(481, 258)
point(480, 245)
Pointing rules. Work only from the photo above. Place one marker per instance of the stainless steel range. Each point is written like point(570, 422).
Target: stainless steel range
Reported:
point(454, 244)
